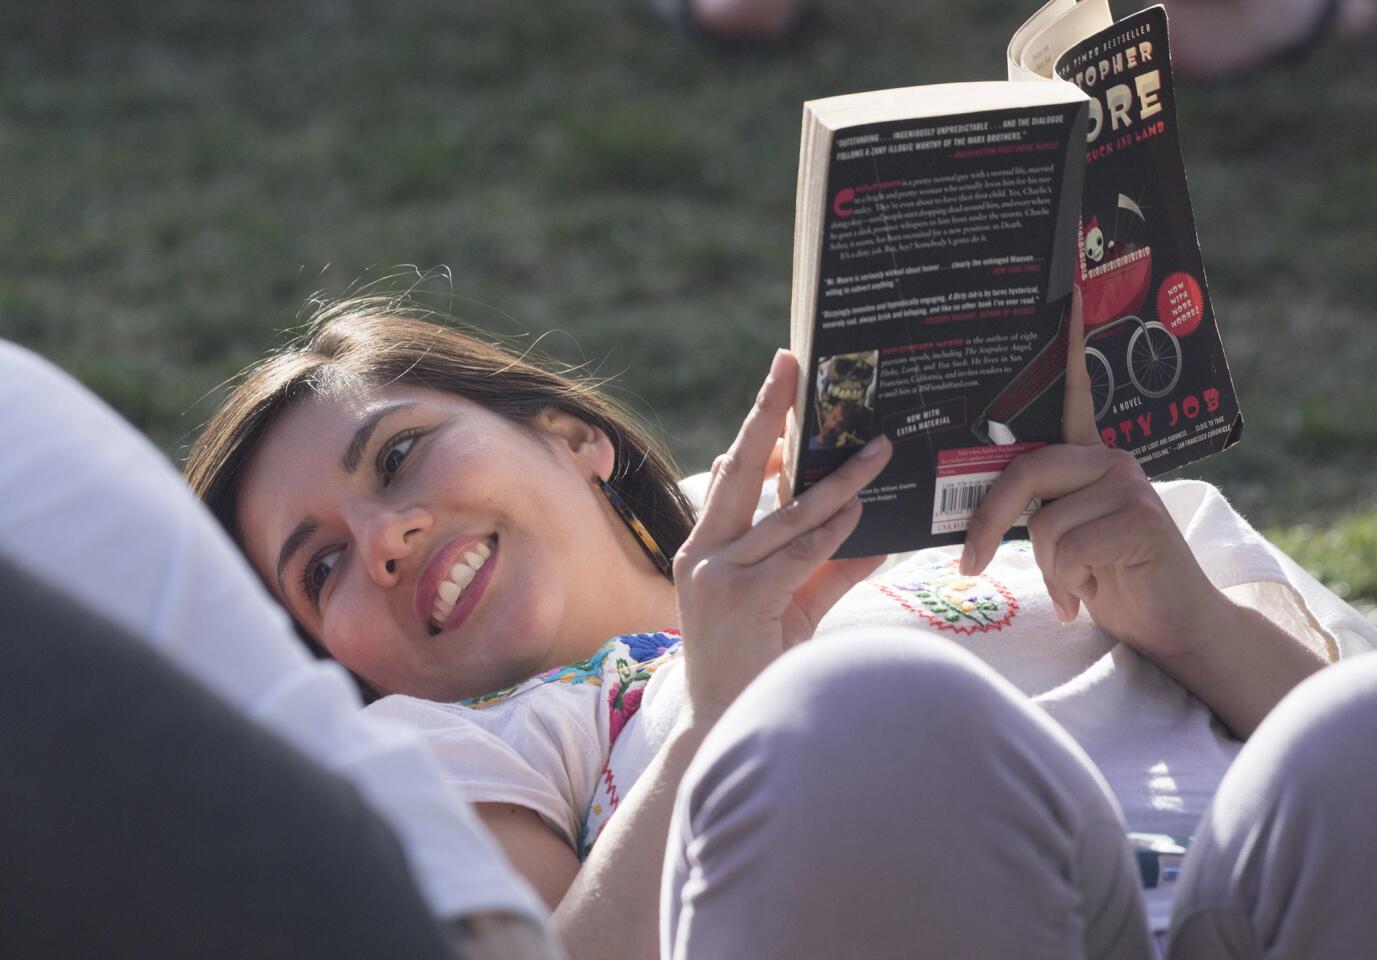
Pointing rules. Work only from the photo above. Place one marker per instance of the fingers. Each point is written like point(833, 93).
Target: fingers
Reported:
point(821, 501)
point(783, 489)
point(795, 562)
point(1047, 529)
point(823, 588)
point(1065, 605)
point(776, 462)
point(778, 560)
point(1116, 523)
point(737, 475)
point(1114, 541)
point(1078, 405)
point(1049, 472)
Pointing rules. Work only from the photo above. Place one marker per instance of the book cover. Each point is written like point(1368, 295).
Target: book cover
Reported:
point(947, 252)
point(931, 285)
point(1161, 383)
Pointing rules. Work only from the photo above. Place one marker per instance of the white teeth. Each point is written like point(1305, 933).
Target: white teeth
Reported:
point(449, 591)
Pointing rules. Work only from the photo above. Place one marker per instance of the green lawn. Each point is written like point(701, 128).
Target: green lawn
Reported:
point(181, 177)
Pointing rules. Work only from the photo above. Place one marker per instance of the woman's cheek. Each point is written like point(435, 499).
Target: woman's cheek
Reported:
point(346, 641)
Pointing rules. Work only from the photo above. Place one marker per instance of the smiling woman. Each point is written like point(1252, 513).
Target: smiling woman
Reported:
point(386, 474)
point(440, 549)
point(463, 530)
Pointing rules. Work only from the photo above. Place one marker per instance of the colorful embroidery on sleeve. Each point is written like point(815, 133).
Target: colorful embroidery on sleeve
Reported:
point(582, 671)
point(632, 647)
point(634, 659)
point(645, 653)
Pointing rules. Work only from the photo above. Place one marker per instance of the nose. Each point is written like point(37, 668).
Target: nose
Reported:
point(388, 537)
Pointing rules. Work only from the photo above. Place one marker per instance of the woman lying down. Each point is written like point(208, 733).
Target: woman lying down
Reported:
point(951, 769)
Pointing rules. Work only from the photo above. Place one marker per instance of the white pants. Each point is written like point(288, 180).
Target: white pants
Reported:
point(871, 798)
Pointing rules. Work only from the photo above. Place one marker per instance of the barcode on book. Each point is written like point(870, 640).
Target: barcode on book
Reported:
point(960, 499)
point(955, 500)
point(964, 476)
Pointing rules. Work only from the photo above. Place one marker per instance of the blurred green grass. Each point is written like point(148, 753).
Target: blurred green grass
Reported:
point(1342, 555)
point(181, 176)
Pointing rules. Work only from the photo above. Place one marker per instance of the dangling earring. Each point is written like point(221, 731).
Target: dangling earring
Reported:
point(633, 523)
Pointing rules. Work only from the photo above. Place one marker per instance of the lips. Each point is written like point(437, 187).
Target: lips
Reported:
point(454, 580)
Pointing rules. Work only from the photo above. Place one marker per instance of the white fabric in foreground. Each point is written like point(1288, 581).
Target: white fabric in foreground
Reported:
point(87, 504)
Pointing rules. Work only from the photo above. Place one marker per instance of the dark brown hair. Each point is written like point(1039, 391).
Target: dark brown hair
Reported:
point(371, 341)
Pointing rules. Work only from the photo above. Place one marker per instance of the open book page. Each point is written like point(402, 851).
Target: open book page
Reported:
point(1032, 27)
point(1085, 19)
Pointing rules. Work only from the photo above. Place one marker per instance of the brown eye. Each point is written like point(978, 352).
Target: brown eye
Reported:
point(318, 571)
point(393, 457)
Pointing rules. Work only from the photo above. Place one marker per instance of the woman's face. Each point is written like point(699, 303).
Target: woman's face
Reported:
point(436, 548)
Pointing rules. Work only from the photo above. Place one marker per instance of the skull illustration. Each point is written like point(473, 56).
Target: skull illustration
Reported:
point(845, 391)
point(1094, 242)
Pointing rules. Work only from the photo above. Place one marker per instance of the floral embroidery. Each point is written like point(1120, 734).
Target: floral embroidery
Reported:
point(953, 602)
point(638, 645)
point(648, 646)
point(582, 671)
point(599, 813)
point(633, 663)
point(623, 666)
point(647, 652)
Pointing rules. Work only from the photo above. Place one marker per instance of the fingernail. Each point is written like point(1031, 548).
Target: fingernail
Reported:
point(967, 563)
point(1060, 611)
point(875, 446)
point(775, 361)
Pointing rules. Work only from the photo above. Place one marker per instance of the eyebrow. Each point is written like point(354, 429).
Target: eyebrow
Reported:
point(299, 535)
point(354, 452)
point(304, 530)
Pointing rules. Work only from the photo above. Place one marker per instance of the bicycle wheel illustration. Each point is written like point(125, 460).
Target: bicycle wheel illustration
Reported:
point(1101, 381)
point(1154, 359)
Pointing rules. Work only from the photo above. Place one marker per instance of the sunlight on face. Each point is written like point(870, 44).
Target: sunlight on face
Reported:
point(436, 548)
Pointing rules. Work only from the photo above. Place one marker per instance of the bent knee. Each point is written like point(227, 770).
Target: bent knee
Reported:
point(888, 712)
point(1319, 738)
point(886, 679)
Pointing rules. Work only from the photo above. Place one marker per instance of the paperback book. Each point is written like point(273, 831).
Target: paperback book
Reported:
point(939, 233)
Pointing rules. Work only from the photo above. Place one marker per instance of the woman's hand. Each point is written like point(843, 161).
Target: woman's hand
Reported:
point(1105, 539)
point(746, 594)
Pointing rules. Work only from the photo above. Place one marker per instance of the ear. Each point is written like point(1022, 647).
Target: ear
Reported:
point(587, 443)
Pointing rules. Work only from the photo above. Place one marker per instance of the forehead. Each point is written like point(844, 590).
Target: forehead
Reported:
point(312, 433)
point(297, 465)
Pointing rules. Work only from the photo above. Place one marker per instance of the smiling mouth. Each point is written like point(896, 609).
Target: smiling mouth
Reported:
point(457, 581)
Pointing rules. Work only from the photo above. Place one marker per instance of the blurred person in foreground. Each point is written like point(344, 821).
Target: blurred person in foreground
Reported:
point(181, 778)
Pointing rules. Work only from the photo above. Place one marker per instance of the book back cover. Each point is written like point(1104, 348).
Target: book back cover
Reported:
point(946, 259)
